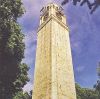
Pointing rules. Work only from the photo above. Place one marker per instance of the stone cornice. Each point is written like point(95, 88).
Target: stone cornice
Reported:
point(52, 17)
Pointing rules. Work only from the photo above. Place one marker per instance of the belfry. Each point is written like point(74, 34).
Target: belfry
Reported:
point(54, 76)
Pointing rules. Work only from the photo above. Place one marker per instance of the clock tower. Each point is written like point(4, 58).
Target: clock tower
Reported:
point(53, 77)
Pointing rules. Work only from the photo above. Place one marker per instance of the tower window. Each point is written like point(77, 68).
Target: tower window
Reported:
point(59, 15)
point(48, 8)
point(57, 8)
point(53, 6)
point(45, 17)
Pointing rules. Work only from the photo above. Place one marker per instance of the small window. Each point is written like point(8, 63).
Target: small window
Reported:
point(59, 15)
point(48, 8)
point(56, 8)
point(53, 6)
point(46, 17)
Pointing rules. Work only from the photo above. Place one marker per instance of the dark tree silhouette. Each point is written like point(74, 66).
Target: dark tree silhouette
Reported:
point(98, 70)
point(86, 1)
point(92, 6)
point(13, 74)
point(97, 85)
point(95, 5)
point(64, 2)
point(75, 1)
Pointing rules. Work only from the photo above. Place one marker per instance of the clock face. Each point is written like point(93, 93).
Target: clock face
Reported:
point(59, 15)
point(45, 17)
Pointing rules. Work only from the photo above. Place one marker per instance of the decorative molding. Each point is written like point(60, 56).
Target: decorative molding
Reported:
point(52, 17)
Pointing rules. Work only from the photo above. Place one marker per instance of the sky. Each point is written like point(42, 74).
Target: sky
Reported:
point(84, 39)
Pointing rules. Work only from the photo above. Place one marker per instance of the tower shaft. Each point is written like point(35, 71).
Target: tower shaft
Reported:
point(54, 77)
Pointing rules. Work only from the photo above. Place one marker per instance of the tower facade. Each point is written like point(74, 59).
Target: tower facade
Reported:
point(53, 77)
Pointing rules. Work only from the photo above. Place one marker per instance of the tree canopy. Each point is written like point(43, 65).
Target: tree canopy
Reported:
point(91, 5)
point(86, 93)
point(13, 74)
point(23, 95)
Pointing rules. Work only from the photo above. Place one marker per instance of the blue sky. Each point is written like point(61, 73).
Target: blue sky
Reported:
point(84, 37)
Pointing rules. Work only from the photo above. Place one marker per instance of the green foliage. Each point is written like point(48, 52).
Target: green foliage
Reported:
point(11, 9)
point(21, 77)
point(97, 88)
point(21, 95)
point(85, 93)
point(13, 74)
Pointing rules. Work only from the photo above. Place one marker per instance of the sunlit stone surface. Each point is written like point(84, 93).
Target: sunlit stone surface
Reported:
point(53, 77)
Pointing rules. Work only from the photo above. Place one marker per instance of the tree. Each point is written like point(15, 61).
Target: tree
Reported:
point(97, 85)
point(22, 78)
point(13, 74)
point(85, 93)
point(92, 6)
point(23, 95)
point(98, 70)
point(30, 94)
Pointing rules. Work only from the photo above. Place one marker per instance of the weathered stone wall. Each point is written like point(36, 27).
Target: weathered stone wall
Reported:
point(63, 85)
point(42, 81)
point(54, 77)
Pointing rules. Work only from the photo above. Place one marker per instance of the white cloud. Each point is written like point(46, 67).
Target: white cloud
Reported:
point(30, 47)
point(29, 38)
point(76, 46)
point(33, 7)
point(80, 68)
point(28, 87)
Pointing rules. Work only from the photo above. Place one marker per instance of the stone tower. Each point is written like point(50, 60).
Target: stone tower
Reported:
point(54, 77)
